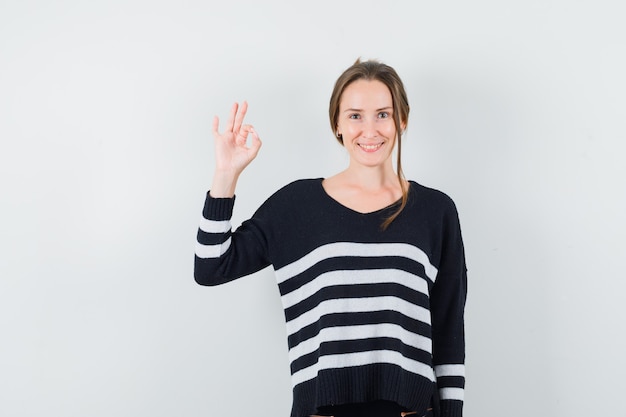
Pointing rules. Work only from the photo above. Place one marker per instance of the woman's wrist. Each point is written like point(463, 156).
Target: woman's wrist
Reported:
point(224, 184)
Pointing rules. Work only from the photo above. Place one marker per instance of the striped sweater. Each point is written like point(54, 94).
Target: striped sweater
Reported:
point(370, 314)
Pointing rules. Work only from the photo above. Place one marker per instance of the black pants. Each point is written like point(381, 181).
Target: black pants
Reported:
point(369, 409)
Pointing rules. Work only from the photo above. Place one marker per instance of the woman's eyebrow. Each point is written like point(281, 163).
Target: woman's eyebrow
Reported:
point(360, 110)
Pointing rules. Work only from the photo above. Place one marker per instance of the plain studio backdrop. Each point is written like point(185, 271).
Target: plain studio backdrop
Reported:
point(517, 112)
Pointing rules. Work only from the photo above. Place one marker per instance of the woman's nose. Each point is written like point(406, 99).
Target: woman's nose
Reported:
point(369, 129)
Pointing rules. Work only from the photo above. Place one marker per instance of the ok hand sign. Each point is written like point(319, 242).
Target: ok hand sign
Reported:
point(232, 153)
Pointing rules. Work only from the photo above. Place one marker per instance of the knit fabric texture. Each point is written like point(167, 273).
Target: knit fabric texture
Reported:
point(371, 314)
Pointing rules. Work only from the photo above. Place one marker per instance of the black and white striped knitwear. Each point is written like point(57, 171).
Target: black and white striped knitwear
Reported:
point(371, 314)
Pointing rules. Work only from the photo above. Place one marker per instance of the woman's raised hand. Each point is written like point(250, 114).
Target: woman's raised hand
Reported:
point(232, 152)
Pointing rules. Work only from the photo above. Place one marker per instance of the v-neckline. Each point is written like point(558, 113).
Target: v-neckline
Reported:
point(346, 208)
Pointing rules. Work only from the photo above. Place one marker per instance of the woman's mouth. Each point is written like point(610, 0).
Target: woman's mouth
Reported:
point(370, 147)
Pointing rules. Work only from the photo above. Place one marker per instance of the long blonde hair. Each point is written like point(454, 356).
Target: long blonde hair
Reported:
point(375, 70)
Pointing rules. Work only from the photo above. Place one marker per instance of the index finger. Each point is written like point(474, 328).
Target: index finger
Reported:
point(239, 117)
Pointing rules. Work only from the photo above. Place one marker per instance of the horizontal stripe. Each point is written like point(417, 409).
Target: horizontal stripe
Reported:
point(361, 359)
point(362, 345)
point(350, 263)
point(370, 276)
point(450, 370)
point(357, 291)
point(451, 394)
point(214, 226)
point(345, 249)
point(359, 332)
point(356, 305)
point(212, 251)
point(361, 319)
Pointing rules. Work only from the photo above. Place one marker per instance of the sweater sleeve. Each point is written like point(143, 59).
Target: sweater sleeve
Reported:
point(222, 255)
point(447, 309)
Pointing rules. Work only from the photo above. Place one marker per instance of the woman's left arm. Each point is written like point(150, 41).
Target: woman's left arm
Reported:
point(447, 310)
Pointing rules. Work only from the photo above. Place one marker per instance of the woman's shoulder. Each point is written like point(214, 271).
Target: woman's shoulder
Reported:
point(297, 190)
point(431, 196)
point(303, 185)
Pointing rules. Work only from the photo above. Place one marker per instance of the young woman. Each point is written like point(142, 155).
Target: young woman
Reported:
point(370, 266)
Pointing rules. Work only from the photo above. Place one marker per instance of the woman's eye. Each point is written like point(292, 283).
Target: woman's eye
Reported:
point(355, 116)
point(383, 115)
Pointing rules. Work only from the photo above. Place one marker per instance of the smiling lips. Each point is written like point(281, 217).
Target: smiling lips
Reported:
point(370, 147)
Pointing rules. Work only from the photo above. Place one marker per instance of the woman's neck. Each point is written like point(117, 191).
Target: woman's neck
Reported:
point(364, 189)
point(371, 179)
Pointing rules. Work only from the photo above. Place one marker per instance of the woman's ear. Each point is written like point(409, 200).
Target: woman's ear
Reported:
point(338, 134)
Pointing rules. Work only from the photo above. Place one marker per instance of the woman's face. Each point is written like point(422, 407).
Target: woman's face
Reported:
point(366, 122)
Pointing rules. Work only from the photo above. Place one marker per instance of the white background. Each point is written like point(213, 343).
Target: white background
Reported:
point(517, 112)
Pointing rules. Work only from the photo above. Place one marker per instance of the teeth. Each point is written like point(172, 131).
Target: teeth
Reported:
point(370, 147)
